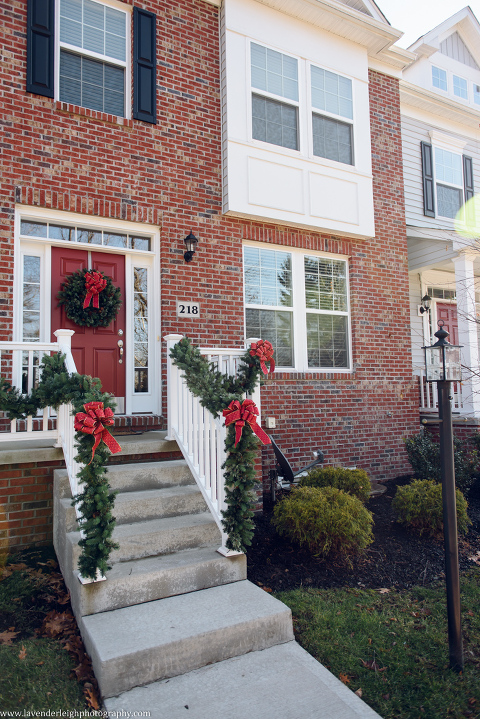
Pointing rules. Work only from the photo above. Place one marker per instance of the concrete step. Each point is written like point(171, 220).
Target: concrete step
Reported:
point(154, 537)
point(145, 643)
point(135, 477)
point(152, 442)
point(133, 507)
point(281, 682)
point(145, 580)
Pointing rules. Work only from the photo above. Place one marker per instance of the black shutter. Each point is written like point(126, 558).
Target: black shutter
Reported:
point(144, 66)
point(40, 46)
point(468, 187)
point(428, 184)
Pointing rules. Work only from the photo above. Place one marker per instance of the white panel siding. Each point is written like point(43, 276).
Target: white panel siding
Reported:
point(413, 132)
point(454, 47)
point(416, 323)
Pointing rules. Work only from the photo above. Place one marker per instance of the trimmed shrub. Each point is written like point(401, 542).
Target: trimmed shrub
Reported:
point(325, 520)
point(424, 456)
point(352, 481)
point(419, 506)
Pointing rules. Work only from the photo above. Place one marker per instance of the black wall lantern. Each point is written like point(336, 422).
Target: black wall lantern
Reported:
point(425, 306)
point(191, 243)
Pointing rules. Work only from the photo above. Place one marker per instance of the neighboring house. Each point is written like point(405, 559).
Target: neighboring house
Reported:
point(440, 101)
point(271, 130)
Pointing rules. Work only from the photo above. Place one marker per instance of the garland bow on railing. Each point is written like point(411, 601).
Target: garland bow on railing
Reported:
point(94, 421)
point(246, 412)
point(94, 284)
point(263, 349)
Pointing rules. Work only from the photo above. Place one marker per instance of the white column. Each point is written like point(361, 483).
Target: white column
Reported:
point(64, 339)
point(467, 332)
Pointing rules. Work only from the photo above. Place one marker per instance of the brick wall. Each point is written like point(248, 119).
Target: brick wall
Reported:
point(26, 503)
point(68, 158)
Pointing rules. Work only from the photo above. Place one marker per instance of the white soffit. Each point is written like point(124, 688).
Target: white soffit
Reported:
point(422, 99)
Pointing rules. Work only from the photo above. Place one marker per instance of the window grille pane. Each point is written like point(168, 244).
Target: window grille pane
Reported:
point(268, 278)
point(31, 298)
point(327, 341)
point(449, 201)
point(332, 139)
point(60, 232)
point(93, 27)
point(31, 269)
point(460, 87)
point(33, 229)
point(277, 328)
point(140, 328)
point(476, 94)
point(91, 237)
point(140, 243)
point(274, 72)
point(439, 78)
point(91, 83)
point(113, 240)
point(31, 326)
point(325, 284)
point(448, 167)
point(274, 122)
point(331, 92)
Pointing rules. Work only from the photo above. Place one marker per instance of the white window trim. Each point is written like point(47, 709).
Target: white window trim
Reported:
point(456, 146)
point(305, 109)
point(459, 77)
point(299, 310)
point(125, 64)
point(435, 87)
point(133, 258)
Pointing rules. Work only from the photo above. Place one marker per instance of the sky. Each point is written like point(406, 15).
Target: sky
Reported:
point(416, 17)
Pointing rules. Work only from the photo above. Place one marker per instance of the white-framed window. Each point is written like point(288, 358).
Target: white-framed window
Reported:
point(298, 301)
point(94, 55)
point(439, 78)
point(476, 94)
point(449, 182)
point(460, 87)
point(278, 105)
point(273, 76)
point(332, 99)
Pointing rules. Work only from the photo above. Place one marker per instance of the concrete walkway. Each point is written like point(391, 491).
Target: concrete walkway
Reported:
point(282, 682)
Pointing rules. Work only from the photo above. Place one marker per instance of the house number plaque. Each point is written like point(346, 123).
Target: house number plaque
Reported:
point(188, 310)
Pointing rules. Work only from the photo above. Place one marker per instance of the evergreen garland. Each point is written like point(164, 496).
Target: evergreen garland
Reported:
point(215, 392)
point(73, 292)
point(96, 500)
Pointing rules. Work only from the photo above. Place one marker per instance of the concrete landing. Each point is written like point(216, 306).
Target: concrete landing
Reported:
point(282, 682)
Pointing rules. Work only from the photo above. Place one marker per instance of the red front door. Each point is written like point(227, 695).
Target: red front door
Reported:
point(95, 349)
point(448, 313)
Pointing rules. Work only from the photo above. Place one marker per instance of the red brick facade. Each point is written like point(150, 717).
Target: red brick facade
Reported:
point(66, 158)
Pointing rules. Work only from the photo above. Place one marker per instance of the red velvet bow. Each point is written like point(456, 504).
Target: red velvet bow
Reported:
point(94, 284)
point(247, 412)
point(264, 350)
point(94, 421)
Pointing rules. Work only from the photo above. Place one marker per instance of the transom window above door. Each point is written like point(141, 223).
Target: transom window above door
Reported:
point(86, 235)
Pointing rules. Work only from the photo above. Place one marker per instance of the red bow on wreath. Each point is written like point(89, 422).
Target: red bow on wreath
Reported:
point(94, 284)
point(264, 350)
point(94, 421)
point(247, 412)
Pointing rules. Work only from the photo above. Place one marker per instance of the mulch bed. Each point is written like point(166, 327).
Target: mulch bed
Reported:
point(396, 559)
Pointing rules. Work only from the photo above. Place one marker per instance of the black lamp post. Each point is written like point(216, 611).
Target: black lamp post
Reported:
point(442, 362)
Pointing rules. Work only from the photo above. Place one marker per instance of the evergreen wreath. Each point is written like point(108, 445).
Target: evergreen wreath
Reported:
point(216, 391)
point(99, 313)
point(96, 499)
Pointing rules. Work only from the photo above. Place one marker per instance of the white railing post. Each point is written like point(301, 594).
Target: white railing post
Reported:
point(172, 387)
point(64, 339)
point(256, 394)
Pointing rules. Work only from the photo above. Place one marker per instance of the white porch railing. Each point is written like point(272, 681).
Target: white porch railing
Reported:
point(21, 361)
point(429, 395)
point(200, 436)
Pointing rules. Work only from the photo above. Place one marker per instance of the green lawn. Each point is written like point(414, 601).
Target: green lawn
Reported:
point(393, 646)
